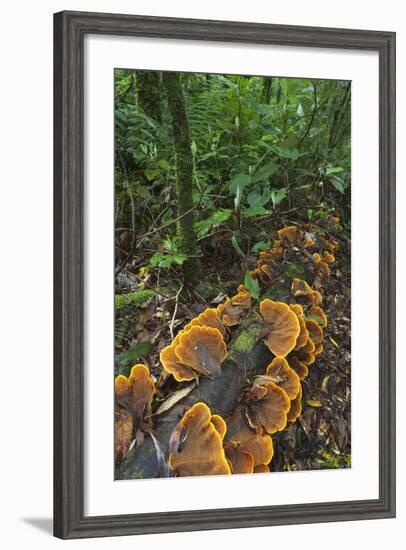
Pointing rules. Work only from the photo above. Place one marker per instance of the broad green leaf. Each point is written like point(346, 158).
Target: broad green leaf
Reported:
point(256, 211)
point(255, 198)
point(300, 111)
point(263, 173)
point(164, 164)
point(277, 196)
point(292, 154)
point(261, 245)
point(236, 245)
point(338, 184)
point(129, 357)
point(334, 170)
point(252, 285)
point(237, 185)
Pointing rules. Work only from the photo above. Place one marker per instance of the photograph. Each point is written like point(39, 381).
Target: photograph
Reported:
point(232, 282)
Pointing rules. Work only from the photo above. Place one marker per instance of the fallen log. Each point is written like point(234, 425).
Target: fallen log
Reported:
point(248, 356)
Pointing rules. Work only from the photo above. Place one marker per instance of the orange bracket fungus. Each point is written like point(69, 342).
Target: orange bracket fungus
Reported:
point(323, 267)
point(300, 288)
point(267, 406)
point(135, 394)
point(261, 469)
point(317, 258)
point(196, 444)
point(327, 257)
point(202, 349)
point(315, 298)
point(299, 367)
point(282, 375)
point(241, 462)
point(209, 318)
point(288, 234)
point(282, 327)
point(304, 333)
point(315, 332)
point(319, 315)
point(198, 350)
point(123, 433)
point(295, 409)
point(246, 447)
point(232, 310)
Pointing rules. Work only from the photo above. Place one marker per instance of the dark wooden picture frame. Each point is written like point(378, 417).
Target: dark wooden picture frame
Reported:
point(70, 29)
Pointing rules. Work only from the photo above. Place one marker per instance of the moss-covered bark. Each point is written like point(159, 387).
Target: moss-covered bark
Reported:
point(149, 93)
point(184, 173)
point(247, 357)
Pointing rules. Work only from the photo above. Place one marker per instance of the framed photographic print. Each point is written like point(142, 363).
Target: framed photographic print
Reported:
point(224, 274)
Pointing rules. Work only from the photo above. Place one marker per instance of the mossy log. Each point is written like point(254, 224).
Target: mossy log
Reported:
point(184, 173)
point(247, 356)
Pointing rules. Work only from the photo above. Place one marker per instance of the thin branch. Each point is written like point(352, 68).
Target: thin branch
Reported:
point(175, 310)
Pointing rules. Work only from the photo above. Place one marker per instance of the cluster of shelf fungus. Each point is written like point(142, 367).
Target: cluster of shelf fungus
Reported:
point(203, 442)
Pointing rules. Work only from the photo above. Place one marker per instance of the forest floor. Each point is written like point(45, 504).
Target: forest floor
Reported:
point(152, 306)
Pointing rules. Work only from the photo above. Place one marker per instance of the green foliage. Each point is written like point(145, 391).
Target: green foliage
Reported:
point(127, 359)
point(133, 298)
point(259, 147)
point(252, 285)
point(161, 259)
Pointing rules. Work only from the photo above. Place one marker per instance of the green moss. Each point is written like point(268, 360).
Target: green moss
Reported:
point(184, 173)
point(247, 339)
point(133, 298)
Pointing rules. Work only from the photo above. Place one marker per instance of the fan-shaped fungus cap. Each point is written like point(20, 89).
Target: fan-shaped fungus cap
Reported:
point(309, 347)
point(315, 298)
point(331, 244)
point(249, 440)
point(315, 332)
point(304, 356)
point(282, 326)
point(172, 364)
point(304, 333)
point(123, 433)
point(323, 267)
point(267, 406)
point(300, 368)
point(202, 349)
point(300, 288)
point(209, 318)
point(295, 409)
point(280, 373)
point(261, 469)
point(241, 462)
point(316, 258)
point(276, 251)
point(318, 349)
point(135, 394)
point(308, 243)
point(242, 299)
point(319, 315)
point(197, 446)
point(242, 288)
point(232, 310)
point(267, 272)
point(327, 257)
point(288, 234)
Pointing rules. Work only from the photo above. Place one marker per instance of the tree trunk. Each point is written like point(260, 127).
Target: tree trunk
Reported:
point(149, 94)
point(267, 89)
point(247, 357)
point(184, 173)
